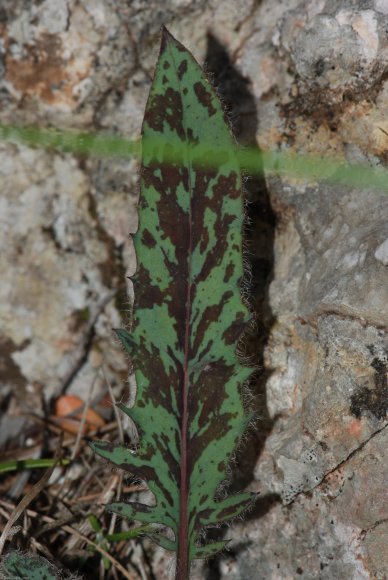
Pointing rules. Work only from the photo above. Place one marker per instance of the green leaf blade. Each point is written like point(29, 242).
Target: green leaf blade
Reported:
point(188, 312)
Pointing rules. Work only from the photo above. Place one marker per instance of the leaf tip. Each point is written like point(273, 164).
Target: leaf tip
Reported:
point(99, 446)
point(168, 38)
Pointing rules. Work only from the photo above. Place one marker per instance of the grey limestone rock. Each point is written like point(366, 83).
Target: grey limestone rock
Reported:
point(314, 81)
point(328, 345)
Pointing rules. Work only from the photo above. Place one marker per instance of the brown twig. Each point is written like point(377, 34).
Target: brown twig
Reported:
point(91, 497)
point(82, 349)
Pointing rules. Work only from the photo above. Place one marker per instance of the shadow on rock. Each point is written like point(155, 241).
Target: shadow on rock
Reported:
point(239, 102)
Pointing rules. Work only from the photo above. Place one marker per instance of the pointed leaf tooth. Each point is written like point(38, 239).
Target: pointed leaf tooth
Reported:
point(227, 509)
point(209, 549)
point(162, 541)
point(131, 412)
point(119, 455)
point(126, 339)
point(140, 512)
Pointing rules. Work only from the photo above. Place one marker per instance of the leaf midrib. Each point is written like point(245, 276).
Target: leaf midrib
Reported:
point(183, 544)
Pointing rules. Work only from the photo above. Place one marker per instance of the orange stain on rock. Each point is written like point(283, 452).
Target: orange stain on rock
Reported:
point(41, 72)
point(354, 428)
point(44, 74)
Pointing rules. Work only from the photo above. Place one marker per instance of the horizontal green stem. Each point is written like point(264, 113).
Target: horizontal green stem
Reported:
point(128, 535)
point(254, 161)
point(30, 464)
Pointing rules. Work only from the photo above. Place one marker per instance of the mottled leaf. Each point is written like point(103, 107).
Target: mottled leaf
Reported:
point(17, 565)
point(188, 313)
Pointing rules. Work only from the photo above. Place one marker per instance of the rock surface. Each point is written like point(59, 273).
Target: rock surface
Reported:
point(301, 77)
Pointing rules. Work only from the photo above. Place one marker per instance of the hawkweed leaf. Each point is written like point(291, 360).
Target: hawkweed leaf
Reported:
point(188, 314)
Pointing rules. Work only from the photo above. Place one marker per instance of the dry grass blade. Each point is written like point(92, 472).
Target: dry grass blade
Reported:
point(83, 419)
point(27, 499)
point(91, 497)
point(103, 552)
point(116, 412)
point(121, 437)
point(72, 531)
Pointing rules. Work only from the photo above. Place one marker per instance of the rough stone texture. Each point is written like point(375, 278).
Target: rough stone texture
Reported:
point(325, 93)
point(307, 77)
